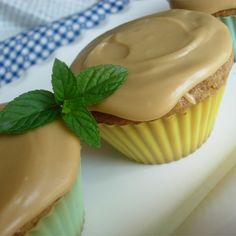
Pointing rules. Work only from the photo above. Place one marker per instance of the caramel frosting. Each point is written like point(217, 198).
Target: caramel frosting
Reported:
point(36, 169)
point(167, 54)
point(209, 6)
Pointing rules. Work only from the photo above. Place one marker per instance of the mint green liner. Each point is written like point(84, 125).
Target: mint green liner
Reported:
point(66, 218)
point(230, 21)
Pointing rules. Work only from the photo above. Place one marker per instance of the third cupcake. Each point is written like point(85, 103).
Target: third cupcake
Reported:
point(225, 10)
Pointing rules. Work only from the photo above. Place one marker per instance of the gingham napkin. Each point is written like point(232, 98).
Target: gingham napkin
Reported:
point(17, 15)
point(19, 52)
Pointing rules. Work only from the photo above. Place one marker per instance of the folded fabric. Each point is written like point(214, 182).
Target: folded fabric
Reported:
point(17, 16)
point(20, 52)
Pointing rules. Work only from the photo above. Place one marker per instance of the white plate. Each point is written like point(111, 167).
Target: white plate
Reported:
point(130, 199)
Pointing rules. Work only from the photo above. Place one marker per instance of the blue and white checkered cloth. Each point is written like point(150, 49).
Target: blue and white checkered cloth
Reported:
point(17, 16)
point(19, 52)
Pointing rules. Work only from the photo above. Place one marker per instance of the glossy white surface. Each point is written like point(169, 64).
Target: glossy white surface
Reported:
point(216, 214)
point(130, 199)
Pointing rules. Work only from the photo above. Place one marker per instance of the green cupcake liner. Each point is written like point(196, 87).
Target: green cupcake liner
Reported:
point(230, 22)
point(66, 218)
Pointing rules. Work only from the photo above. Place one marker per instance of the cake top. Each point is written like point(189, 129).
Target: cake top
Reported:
point(210, 6)
point(167, 54)
point(29, 167)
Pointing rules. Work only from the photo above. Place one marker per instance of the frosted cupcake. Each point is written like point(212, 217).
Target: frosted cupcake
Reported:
point(178, 63)
point(40, 183)
point(225, 10)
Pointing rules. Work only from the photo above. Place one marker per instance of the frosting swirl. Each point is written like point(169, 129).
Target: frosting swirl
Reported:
point(167, 54)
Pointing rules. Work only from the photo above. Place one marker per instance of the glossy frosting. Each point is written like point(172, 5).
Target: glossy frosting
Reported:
point(209, 6)
point(36, 169)
point(166, 54)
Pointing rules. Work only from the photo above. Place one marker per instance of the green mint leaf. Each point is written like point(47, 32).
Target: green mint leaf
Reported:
point(63, 82)
point(72, 95)
point(28, 111)
point(97, 83)
point(82, 123)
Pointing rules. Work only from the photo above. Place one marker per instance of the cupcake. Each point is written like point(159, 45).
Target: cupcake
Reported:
point(178, 63)
point(41, 183)
point(40, 167)
point(225, 10)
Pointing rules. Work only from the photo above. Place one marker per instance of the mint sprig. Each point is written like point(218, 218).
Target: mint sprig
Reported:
point(63, 82)
point(81, 122)
point(73, 94)
point(28, 111)
point(99, 82)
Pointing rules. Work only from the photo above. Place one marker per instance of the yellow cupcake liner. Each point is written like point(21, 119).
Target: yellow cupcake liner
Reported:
point(166, 139)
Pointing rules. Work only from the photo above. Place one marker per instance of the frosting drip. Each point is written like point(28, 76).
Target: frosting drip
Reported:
point(36, 168)
point(167, 54)
point(210, 6)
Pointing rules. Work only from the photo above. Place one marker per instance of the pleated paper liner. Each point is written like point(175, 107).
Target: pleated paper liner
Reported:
point(66, 218)
point(230, 22)
point(166, 139)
